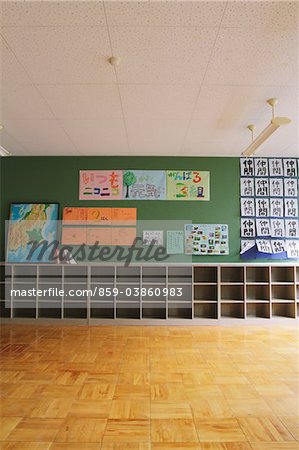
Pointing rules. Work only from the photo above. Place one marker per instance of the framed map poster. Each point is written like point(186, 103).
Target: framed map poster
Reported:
point(30, 222)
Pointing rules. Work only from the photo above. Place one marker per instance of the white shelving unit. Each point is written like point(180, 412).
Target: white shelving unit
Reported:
point(211, 293)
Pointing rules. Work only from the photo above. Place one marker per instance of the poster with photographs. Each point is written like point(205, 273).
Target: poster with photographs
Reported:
point(206, 239)
point(269, 207)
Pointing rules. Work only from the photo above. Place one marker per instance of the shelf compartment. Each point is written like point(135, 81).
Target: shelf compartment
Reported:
point(283, 310)
point(24, 309)
point(126, 292)
point(280, 292)
point(261, 310)
point(156, 289)
point(154, 274)
point(232, 274)
point(186, 292)
point(179, 311)
point(23, 288)
point(102, 310)
point(25, 273)
point(4, 310)
point(154, 311)
point(75, 273)
point(56, 287)
point(180, 274)
point(257, 274)
point(205, 274)
point(282, 274)
point(5, 291)
point(232, 310)
point(50, 309)
point(257, 292)
point(205, 310)
point(75, 310)
point(50, 274)
point(127, 310)
point(76, 291)
point(205, 292)
point(102, 274)
point(128, 274)
point(105, 297)
point(232, 292)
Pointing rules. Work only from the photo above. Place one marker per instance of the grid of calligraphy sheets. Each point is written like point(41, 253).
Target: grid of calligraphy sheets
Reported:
point(269, 205)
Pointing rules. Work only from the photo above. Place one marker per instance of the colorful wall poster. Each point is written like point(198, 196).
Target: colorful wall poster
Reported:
point(152, 237)
point(30, 222)
point(100, 184)
point(207, 239)
point(188, 185)
point(275, 196)
point(175, 242)
point(144, 184)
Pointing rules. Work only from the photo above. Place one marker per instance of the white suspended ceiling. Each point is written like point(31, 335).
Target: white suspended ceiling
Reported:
point(192, 76)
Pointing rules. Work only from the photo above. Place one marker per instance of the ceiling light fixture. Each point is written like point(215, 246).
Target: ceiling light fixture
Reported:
point(114, 60)
point(4, 152)
point(1, 126)
point(275, 123)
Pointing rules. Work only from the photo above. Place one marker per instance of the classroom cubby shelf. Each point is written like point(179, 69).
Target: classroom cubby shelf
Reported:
point(211, 293)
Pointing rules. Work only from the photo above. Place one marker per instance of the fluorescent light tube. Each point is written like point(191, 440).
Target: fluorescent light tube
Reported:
point(4, 152)
point(275, 123)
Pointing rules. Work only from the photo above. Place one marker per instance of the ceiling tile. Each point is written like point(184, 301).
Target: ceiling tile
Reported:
point(43, 133)
point(102, 137)
point(234, 104)
point(162, 55)
point(156, 136)
point(265, 14)
point(202, 148)
point(11, 72)
point(62, 55)
point(158, 101)
point(52, 13)
point(23, 102)
point(262, 57)
point(48, 148)
point(199, 14)
point(78, 101)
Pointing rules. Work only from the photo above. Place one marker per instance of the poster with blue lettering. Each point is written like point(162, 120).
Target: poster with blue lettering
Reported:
point(144, 184)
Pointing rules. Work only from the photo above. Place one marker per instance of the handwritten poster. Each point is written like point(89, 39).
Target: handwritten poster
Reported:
point(144, 184)
point(188, 185)
point(124, 216)
point(175, 242)
point(152, 237)
point(206, 239)
point(100, 185)
point(71, 215)
point(107, 226)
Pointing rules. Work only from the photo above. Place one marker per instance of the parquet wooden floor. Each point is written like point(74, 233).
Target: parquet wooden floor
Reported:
point(149, 388)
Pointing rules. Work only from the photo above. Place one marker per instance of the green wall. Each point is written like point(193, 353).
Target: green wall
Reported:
point(55, 179)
